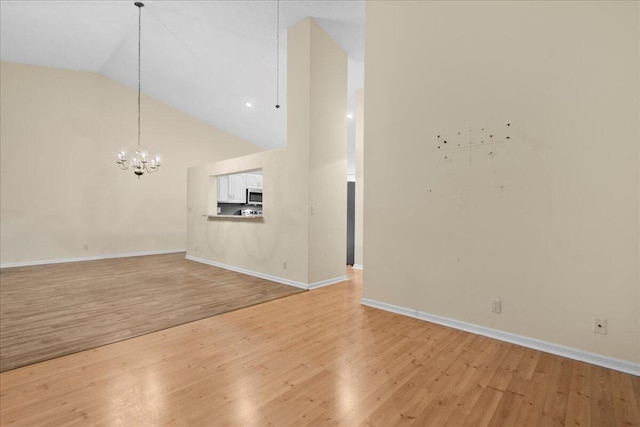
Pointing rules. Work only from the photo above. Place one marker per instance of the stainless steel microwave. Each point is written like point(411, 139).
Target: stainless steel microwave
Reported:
point(254, 196)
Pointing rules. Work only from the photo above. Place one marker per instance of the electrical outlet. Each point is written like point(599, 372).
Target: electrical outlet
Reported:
point(496, 305)
point(600, 325)
point(284, 265)
point(85, 247)
point(313, 209)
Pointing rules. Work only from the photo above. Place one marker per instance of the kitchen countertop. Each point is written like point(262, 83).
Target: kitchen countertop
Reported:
point(236, 216)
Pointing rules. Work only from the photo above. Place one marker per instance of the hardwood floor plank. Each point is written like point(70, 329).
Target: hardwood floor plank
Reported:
point(483, 410)
point(490, 373)
point(601, 396)
point(578, 410)
point(625, 406)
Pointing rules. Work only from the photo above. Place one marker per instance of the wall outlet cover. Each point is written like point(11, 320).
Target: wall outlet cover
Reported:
point(600, 325)
point(496, 305)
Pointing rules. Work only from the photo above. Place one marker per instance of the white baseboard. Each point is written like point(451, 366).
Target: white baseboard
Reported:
point(248, 272)
point(89, 258)
point(268, 276)
point(547, 347)
point(358, 266)
point(327, 282)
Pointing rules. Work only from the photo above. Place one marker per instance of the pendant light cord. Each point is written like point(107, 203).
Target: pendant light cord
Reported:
point(139, 50)
point(278, 55)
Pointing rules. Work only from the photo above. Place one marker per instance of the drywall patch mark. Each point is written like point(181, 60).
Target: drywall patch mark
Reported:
point(477, 137)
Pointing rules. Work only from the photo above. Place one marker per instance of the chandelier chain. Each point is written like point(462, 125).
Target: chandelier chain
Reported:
point(139, 54)
point(140, 160)
point(278, 54)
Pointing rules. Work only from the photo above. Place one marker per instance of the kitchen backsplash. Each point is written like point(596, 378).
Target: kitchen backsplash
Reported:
point(232, 208)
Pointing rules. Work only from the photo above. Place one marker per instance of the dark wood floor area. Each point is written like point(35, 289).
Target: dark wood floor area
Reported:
point(51, 310)
point(316, 358)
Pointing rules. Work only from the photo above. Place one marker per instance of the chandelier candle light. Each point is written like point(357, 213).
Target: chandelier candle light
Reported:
point(141, 161)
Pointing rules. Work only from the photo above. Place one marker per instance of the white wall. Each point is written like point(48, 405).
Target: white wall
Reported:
point(359, 225)
point(310, 171)
point(546, 220)
point(60, 186)
point(327, 141)
point(256, 245)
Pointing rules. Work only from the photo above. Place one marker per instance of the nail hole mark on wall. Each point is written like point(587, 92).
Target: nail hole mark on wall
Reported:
point(491, 139)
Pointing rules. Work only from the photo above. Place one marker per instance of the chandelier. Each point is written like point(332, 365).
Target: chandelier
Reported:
point(140, 160)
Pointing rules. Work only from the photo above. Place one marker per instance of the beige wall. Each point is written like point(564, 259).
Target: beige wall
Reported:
point(546, 220)
point(309, 172)
point(358, 239)
point(327, 141)
point(60, 186)
point(256, 245)
point(638, 174)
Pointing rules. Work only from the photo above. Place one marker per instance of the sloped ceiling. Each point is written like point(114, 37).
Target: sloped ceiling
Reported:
point(206, 58)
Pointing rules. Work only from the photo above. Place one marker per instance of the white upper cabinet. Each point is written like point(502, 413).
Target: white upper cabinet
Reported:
point(223, 188)
point(233, 188)
point(238, 188)
point(253, 180)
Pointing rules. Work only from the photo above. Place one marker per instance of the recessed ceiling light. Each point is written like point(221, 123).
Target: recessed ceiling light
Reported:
point(248, 104)
point(349, 116)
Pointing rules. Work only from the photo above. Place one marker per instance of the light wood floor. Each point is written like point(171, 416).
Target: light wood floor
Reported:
point(51, 310)
point(316, 358)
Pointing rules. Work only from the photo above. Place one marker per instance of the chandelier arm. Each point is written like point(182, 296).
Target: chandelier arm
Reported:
point(152, 166)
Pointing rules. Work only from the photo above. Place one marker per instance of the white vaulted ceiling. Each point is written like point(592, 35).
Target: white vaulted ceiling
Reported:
point(206, 58)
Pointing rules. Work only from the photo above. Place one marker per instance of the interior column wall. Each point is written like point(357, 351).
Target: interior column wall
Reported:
point(293, 243)
point(359, 226)
point(327, 132)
